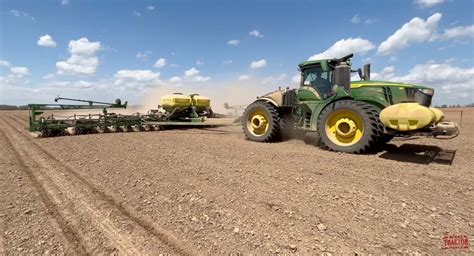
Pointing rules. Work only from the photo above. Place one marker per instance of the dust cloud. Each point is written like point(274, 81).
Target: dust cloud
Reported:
point(234, 93)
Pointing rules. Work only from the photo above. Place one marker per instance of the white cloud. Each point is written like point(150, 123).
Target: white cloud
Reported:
point(199, 62)
point(76, 87)
point(4, 63)
point(82, 84)
point(137, 78)
point(82, 60)
point(428, 3)
point(83, 47)
point(233, 42)
point(227, 62)
point(143, 55)
point(17, 77)
point(19, 71)
point(150, 7)
point(386, 73)
point(46, 41)
point(137, 13)
point(344, 47)
point(357, 19)
point(256, 33)
point(21, 14)
point(64, 2)
point(137, 75)
point(161, 62)
point(48, 76)
point(78, 65)
point(191, 72)
point(190, 76)
point(258, 64)
point(244, 77)
point(458, 33)
point(175, 79)
point(416, 30)
point(201, 78)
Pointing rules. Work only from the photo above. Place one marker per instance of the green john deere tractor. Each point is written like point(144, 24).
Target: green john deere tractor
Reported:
point(351, 117)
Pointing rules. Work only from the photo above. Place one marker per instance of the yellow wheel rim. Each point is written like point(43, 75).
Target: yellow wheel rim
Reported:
point(257, 122)
point(344, 127)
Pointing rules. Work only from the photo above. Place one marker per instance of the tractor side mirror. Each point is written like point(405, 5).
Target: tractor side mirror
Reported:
point(360, 74)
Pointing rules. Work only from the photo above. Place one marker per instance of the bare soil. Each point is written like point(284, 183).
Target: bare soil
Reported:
point(209, 191)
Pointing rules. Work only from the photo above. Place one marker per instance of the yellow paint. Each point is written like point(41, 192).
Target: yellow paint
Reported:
point(438, 114)
point(344, 127)
point(409, 116)
point(179, 100)
point(201, 101)
point(257, 122)
point(175, 100)
point(381, 84)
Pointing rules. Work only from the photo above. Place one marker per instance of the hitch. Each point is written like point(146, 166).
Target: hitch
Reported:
point(446, 130)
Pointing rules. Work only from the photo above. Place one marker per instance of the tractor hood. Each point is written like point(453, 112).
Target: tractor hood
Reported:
point(371, 83)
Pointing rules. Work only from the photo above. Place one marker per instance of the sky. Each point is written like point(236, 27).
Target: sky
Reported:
point(228, 50)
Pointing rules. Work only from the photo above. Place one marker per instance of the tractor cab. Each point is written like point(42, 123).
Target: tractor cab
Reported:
point(324, 76)
point(318, 77)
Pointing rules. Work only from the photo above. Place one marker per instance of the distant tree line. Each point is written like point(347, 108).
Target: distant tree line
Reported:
point(470, 105)
point(13, 107)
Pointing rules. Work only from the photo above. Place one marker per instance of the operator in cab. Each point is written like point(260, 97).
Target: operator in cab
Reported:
point(319, 80)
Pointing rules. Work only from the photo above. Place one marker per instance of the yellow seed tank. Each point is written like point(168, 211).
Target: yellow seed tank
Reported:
point(409, 116)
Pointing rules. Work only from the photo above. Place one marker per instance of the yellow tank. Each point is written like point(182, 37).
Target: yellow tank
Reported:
point(438, 114)
point(175, 100)
point(409, 116)
point(201, 102)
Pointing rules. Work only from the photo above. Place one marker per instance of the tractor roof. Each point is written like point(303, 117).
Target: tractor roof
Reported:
point(324, 62)
point(314, 62)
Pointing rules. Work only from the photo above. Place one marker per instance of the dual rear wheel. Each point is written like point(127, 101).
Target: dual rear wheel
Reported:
point(350, 126)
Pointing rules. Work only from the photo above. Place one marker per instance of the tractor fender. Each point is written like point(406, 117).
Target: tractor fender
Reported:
point(266, 99)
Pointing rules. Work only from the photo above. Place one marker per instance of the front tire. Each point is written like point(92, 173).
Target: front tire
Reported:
point(261, 122)
point(350, 126)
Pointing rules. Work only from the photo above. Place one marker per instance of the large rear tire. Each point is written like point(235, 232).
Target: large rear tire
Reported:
point(261, 122)
point(350, 126)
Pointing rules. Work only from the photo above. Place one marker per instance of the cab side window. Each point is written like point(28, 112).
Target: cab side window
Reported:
point(319, 80)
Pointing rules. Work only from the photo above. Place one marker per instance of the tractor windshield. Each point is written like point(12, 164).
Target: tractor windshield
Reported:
point(319, 80)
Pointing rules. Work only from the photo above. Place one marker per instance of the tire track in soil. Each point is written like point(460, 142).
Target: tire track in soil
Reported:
point(19, 119)
point(66, 230)
point(140, 230)
point(2, 240)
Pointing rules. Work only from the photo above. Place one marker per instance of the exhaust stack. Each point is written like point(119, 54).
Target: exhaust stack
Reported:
point(366, 75)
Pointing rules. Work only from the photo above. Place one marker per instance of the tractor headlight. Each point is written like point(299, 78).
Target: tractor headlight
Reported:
point(427, 91)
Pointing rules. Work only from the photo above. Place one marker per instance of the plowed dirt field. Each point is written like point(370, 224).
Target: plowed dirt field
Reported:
point(209, 191)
